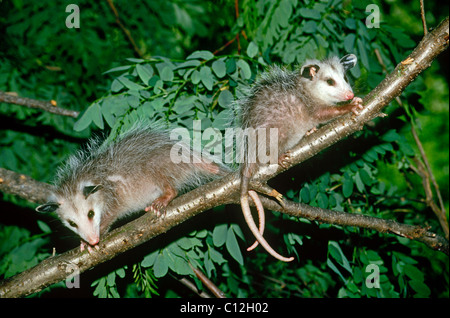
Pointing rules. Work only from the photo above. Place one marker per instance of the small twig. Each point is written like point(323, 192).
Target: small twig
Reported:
point(424, 171)
point(50, 107)
point(425, 175)
point(236, 37)
point(208, 283)
point(186, 282)
point(124, 29)
point(422, 14)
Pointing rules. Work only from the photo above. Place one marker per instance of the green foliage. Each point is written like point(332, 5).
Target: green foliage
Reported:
point(19, 250)
point(179, 79)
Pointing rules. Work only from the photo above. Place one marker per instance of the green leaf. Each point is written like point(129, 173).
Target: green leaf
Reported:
point(119, 68)
point(100, 291)
point(422, 290)
point(359, 184)
point(363, 54)
point(187, 64)
point(195, 77)
point(92, 114)
point(145, 72)
point(129, 84)
point(322, 200)
point(349, 42)
point(252, 49)
point(310, 27)
point(350, 23)
point(116, 86)
point(222, 120)
point(310, 13)
point(233, 246)
point(335, 251)
point(225, 98)
point(207, 77)
point(167, 74)
point(365, 177)
point(304, 195)
point(413, 272)
point(205, 55)
point(44, 227)
point(245, 69)
point(121, 272)
point(133, 101)
point(220, 68)
point(111, 279)
point(216, 256)
point(391, 136)
point(220, 234)
point(347, 188)
point(150, 259)
point(160, 268)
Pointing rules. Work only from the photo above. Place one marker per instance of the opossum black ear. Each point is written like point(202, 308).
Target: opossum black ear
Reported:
point(309, 71)
point(48, 207)
point(348, 61)
point(88, 190)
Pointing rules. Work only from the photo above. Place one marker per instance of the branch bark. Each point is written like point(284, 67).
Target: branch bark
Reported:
point(226, 190)
point(34, 103)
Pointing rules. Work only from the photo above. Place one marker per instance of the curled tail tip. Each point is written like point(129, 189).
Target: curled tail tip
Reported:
point(251, 223)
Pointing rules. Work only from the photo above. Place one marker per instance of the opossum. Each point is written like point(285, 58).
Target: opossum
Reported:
point(105, 182)
point(294, 103)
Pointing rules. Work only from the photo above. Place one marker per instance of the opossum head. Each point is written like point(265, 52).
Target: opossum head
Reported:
point(326, 81)
point(79, 210)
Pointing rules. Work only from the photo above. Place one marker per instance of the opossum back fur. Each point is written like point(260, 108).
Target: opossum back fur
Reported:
point(129, 167)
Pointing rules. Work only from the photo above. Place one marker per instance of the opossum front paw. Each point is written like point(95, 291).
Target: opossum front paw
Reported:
point(158, 207)
point(84, 245)
point(311, 131)
point(357, 102)
point(285, 159)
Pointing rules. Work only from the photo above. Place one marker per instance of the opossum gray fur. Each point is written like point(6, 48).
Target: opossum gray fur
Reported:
point(294, 103)
point(105, 182)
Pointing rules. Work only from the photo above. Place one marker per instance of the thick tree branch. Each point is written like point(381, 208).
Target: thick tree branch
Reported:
point(33, 103)
point(226, 190)
point(23, 186)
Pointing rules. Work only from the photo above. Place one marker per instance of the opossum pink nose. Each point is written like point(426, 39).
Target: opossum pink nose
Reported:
point(349, 95)
point(94, 240)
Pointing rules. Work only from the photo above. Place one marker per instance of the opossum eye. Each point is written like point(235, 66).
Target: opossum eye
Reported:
point(331, 82)
point(91, 214)
point(72, 224)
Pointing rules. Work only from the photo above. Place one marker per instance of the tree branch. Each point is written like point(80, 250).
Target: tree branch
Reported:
point(23, 186)
point(33, 103)
point(124, 29)
point(226, 190)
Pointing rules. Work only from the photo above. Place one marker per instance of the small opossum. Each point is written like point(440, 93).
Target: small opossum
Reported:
point(105, 182)
point(293, 102)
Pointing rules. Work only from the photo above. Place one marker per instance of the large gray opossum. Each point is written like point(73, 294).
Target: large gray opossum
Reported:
point(105, 182)
point(293, 103)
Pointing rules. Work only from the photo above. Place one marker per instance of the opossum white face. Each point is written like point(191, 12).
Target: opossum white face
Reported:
point(326, 80)
point(80, 211)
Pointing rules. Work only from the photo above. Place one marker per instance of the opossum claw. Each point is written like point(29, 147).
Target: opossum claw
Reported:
point(357, 102)
point(284, 159)
point(84, 245)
